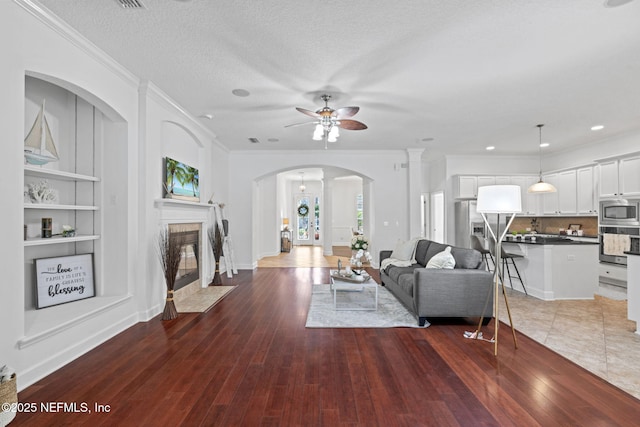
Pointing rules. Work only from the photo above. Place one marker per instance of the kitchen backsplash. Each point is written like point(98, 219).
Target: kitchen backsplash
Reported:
point(552, 225)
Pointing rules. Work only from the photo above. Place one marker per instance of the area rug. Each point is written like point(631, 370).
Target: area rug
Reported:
point(203, 300)
point(390, 313)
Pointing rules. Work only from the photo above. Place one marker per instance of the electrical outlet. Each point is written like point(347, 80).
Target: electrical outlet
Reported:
point(571, 257)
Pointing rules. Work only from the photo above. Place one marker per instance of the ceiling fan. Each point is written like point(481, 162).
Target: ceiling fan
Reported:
point(329, 120)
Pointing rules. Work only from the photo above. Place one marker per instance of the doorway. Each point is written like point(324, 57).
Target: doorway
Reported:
point(307, 229)
point(436, 217)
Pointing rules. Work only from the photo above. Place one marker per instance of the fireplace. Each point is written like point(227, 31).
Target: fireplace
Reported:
point(189, 270)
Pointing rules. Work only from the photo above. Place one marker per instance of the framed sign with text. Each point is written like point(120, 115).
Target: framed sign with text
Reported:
point(64, 279)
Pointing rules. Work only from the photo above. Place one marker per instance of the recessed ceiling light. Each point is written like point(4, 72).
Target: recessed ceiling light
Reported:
point(597, 127)
point(240, 92)
point(207, 116)
point(544, 145)
point(273, 140)
point(427, 139)
point(254, 140)
point(489, 148)
point(616, 3)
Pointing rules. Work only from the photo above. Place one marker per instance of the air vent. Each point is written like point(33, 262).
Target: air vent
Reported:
point(131, 4)
point(254, 140)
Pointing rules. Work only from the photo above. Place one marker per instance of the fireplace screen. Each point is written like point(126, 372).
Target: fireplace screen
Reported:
point(189, 270)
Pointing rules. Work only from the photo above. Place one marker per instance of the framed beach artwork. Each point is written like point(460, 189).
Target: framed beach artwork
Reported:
point(180, 181)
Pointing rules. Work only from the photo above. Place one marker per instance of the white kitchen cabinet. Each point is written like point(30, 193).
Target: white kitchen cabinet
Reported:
point(486, 180)
point(564, 200)
point(501, 180)
point(465, 187)
point(620, 177)
point(629, 176)
point(608, 178)
point(612, 274)
point(530, 201)
point(567, 192)
point(550, 200)
point(586, 197)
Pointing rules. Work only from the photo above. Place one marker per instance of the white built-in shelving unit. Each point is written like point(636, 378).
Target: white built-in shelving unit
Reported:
point(78, 129)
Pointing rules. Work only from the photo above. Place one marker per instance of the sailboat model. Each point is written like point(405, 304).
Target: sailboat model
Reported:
point(39, 148)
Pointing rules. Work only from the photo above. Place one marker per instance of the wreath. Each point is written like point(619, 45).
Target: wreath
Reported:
point(303, 210)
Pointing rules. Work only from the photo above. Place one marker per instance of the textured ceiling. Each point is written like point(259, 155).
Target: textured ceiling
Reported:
point(466, 73)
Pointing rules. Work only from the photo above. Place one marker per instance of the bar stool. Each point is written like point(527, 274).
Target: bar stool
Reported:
point(479, 246)
point(506, 256)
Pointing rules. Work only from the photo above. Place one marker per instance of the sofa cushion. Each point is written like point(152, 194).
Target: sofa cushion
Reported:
point(443, 259)
point(466, 258)
point(433, 249)
point(421, 251)
point(394, 272)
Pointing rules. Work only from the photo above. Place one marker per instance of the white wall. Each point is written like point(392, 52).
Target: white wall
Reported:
point(130, 167)
point(167, 131)
point(51, 54)
point(345, 192)
point(389, 197)
point(586, 154)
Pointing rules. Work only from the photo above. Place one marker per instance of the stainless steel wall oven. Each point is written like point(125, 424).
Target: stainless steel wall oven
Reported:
point(614, 241)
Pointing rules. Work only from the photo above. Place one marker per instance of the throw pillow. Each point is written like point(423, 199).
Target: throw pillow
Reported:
point(443, 259)
point(405, 251)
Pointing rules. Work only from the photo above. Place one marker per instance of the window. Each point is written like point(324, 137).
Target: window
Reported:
point(359, 215)
point(316, 210)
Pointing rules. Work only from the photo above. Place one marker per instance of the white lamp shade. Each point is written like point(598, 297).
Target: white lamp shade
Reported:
point(499, 199)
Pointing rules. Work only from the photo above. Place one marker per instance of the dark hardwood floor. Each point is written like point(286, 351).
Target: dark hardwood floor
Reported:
point(250, 361)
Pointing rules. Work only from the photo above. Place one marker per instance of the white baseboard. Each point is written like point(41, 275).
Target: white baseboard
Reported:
point(57, 361)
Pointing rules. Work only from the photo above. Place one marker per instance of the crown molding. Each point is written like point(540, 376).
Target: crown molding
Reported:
point(47, 17)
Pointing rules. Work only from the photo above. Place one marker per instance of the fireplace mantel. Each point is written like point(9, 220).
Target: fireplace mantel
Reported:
point(172, 211)
point(182, 211)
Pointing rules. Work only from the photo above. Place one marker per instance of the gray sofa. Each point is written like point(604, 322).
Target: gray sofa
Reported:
point(464, 291)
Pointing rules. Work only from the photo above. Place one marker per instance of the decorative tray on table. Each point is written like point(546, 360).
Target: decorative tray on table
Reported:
point(350, 276)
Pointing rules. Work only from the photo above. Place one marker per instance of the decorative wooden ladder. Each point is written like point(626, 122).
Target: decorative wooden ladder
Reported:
point(227, 248)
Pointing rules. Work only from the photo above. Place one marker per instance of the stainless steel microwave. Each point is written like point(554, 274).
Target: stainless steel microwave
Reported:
point(620, 212)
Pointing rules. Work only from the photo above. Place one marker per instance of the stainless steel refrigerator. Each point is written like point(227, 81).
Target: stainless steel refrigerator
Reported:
point(468, 221)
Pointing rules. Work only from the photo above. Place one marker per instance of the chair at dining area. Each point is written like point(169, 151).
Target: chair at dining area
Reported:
point(479, 245)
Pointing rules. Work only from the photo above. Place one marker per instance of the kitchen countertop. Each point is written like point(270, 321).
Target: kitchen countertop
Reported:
point(548, 241)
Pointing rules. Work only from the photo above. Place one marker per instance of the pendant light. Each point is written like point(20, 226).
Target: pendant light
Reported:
point(540, 186)
point(302, 186)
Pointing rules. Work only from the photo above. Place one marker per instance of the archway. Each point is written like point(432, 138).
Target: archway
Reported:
point(339, 201)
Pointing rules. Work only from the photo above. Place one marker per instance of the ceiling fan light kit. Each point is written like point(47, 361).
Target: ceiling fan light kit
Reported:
point(328, 121)
point(541, 186)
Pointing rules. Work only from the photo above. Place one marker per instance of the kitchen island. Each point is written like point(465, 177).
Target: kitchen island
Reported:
point(556, 267)
point(633, 287)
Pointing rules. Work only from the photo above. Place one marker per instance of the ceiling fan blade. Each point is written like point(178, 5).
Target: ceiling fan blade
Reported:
point(301, 124)
point(344, 112)
point(309, 112)
point(352, 125)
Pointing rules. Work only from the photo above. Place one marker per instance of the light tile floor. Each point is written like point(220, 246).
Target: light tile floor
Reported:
point(594, 334)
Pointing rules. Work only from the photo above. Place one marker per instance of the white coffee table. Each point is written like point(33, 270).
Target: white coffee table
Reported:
point(361, 295)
